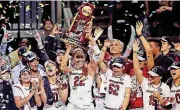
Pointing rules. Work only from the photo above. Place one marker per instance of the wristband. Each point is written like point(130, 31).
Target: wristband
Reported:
point(140, 35)
point(96, 49)
point(135, 51)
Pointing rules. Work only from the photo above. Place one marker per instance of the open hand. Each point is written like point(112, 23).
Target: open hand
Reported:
point(139, 27)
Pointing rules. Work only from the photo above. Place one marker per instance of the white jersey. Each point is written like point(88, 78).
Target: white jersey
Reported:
point(80, 86)
point(148, 99)
point(115, 91)
point(19, 90)
point(57, 104)
point(175, 94)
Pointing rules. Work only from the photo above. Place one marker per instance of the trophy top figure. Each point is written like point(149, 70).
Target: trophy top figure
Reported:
point(81, 21)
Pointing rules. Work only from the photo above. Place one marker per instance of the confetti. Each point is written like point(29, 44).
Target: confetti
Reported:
point(27, 8)
point(63, 4)
point(41, 5)
point(142, 6)
point(125, 30)
point(4, 11)
point(130, 14)
point(49, 17)
point(111, 6)
point(46, 4)
point(150, 15)
point(27, 32)
point(126, 11)
point(101, 12)
point(37, 16)
point(105, 4)
point(17, 14)
point(1, 5)
point(136, 16)
point(144, 12)
point(10, 49)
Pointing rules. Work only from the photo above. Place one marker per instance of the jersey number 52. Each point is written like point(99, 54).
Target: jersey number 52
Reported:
point(113, 89)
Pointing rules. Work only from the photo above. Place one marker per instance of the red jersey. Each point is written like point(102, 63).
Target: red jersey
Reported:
point(136, 100)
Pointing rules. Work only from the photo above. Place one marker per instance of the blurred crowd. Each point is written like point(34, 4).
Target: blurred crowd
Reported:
point(100, 77)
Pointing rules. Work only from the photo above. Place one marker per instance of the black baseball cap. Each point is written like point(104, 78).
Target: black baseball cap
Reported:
point(175, 65)
point(156, 71)
point(166, 39)
point(30, 56)
point(60, 51)
point(119, 62)
point(22, 50)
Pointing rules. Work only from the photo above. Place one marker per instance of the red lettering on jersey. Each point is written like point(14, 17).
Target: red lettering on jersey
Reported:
point(55, 94)
point(113, 89)
point(177, 96)
point(78, 82)
point(151, 100)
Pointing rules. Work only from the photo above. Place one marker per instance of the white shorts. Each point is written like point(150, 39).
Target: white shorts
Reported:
point(73, 107)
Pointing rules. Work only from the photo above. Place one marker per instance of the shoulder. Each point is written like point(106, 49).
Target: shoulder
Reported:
point(165, 86)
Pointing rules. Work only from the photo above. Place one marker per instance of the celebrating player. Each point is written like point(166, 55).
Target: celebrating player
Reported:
point(155, 92)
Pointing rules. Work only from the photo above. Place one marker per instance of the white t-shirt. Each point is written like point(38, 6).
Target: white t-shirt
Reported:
point(148, 89)
point(115, 92)
point(23, 92)
point(175, 94)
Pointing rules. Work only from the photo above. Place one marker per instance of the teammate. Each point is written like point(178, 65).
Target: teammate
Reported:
point(118, 85)
point(155, 92)
point(59, 87)
point(25, 92)
point(174, 84)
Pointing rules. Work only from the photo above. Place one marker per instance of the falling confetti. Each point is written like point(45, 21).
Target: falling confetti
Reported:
point(10, 49)
point(126, 11)
point(111, 6)
point(130, 14)
point(37, 16)
point(41, 5)
point(1, 5)
point(144, 12)
point(63, 4)
point(136, 16)
point(4, 11)
point(27, 8)
point(125, 30)
point(17, 14)
point(142, 6)
point(101, 12)
point(49, 17)
point(46, 4)
point(105, 4)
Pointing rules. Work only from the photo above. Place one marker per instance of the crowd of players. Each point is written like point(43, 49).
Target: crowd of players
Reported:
point(101, 79)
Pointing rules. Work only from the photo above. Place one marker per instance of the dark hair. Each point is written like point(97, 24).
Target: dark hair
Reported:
point(157, 42)
point(26, 43)
point(44, 22)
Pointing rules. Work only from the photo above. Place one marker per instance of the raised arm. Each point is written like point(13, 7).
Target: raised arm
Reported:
point(150, 59)
point(102, 65)
point(42, 52)
point(137, 69)
point(64, 62)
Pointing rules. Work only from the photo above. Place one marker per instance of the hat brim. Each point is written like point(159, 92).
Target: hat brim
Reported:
point(2, 72)
point(141, 58)
point(117, 64)
point(162, 39)
point(49, 62)
point(174, 67)
point(153, 73)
